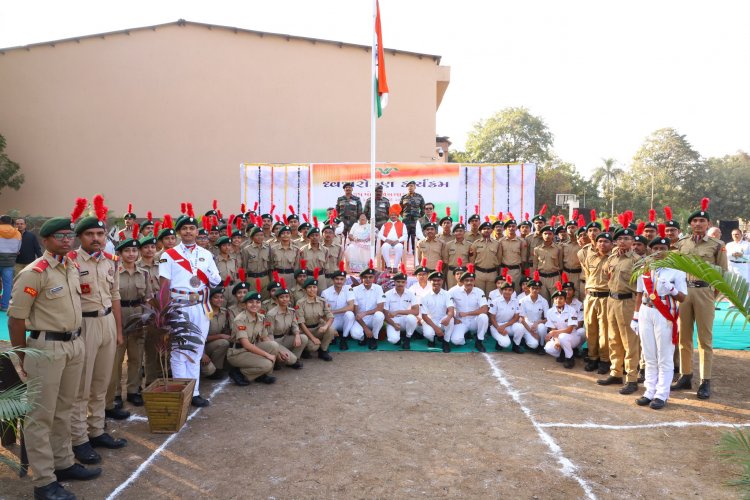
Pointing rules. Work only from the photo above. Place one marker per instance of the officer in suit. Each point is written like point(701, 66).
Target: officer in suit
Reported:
point(349, 207)
point(382, 205)
point(412, 205)
point(46, 302)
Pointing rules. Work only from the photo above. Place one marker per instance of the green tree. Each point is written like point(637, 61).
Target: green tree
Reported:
point(726, 184)
point(458, 157)
point(556, 177)
point(605, 178)
point(9, 170)
point(509, 136)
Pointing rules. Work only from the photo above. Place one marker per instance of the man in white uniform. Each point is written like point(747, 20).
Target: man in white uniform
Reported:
point(401, 309)
point(471, 311)
point(190, 271)
point(563, 335)
point(392, 236)
point(738, 254)
point(504, 324)
point(532, 309)
point(436, 309)
point(368, 309)
point(340, 299)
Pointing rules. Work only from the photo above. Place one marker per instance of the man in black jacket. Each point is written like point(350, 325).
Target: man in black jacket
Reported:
point(30, 248)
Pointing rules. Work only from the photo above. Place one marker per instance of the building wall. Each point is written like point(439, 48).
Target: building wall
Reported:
point(164, 115)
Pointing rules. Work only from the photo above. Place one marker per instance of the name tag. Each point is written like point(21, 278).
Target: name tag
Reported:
point(83, 273)
point(56, 289)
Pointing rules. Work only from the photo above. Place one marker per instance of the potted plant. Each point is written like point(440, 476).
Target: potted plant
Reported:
point(166, 325)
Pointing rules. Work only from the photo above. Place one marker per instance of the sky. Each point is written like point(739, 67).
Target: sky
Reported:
point(602, 75)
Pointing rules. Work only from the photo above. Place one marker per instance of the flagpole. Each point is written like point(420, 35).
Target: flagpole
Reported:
point(373, 129)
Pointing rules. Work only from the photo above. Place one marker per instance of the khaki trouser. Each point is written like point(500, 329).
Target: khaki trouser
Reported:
point(485, 281)
point(53, 384)
point(133, 345)
point(624, 345)
point(100, 339)
point(275, 347)
point(217, 351)
point(698, 309)
point(595, 314)
point(325, 339)
point(548, 286)
point(287, 341)
point(251, 365)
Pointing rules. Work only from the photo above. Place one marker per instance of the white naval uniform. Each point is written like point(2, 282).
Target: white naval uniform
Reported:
point(436, 305)
point(530, 313)
point(655, 332)
point(497, 294)
point(186, 364)
point(396, 302)
point(342, 322)
point(420, 292)
point(398, 248)
point(503, 311)
point(739, 264)
point(466, 303)
point(366, 300)
point(557, 320)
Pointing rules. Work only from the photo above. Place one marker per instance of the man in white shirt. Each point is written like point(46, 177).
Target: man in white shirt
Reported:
point(437, 310)
point(503, 314)
point(392, 236)
point(470, 312)
point(401, 309)
point(422, 287)
point(368, 310)
point(531, 317)
point(340, 299)
point(738, 255)
point(563, 334)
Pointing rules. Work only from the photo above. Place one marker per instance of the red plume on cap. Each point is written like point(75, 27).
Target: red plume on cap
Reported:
point(229, 225)
point(99, 209)
point(402, 268)
point(191, 212)
point(459, 262)
point(640, 228)
point(334, 214)
point(291, 209)
point(157, 226)
point(470, 268)
point(621, 220)
point(476, 209)
point(218, 212)
point(275, 275)
point(575, 214)
point(606, 222)
point(370, 264)
point(166, 221)
point(510, 215)
point(552, 220)
point(255, 206)
point(447, 211)
point(504, 271)
point(315, 220)
point(424, 262)
point(78, 209)
point(341, 266)
point(183, 207)
point(662, 228)
point(565, 277)
point(130, 208)
point(543, 210)
point(558, 285)
point(215, 204)
point(273, 207)
point(257, 284)
point(433, 217)
point(316, 272)
point(704, 204)
point(278, 219)
point(668, 213)
point(593, 215)
point(536, 275)
point(509, 279)
point(227, 281)
point(526, 215)
point(527, 272)
point(136, 228)
point(486, 218)
point(581, 221)
point(562, 220)
point(652, 215)
point(302, 264)
point(149, 215)
point(241, 274)
point(286, 221)
point(499, 216)
point(460, 219)
point(206, 223)
point(238, 222)
point(283, 283)
point(243, 208)
point(439, 266)
point(304, 216)
point(214, 221)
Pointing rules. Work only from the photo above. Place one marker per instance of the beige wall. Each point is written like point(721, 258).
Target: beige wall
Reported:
point(164, 115)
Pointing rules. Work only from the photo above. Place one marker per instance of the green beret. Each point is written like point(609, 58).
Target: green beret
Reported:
point(485, 224)
point(473, 217)
point(128, 243)
point(698, 213)
point(255, 230)
point(214, 291)
point(547, 228)
point(185, 220)
point(251, 296)
point(429, 225)
point(280, 291)
point(660, 241)
point(148, 240)
point(497, 223)
point(240, 286)
point(89, 222)
point(299, 272)
point(604, 235)
point(292, 217)
point(624, 232)
point(511, 222)
point(237, 232)
point(400, 277)
point(309, 282)
point(459, 227)
point(55, 224)
point(505, 285)
point(272, 284)
point(558, 293)
point(285, 228)
point(313, 230)
point(434, 275)
point(594, 224)
point(524, 223)
point(224, 240)
point(539, 217)
point(467, 274)
point(446, 219)
point(165, 232)
point(367, 272)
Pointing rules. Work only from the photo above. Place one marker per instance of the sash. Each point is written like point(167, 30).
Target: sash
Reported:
point(661, 307)
point(185, 264)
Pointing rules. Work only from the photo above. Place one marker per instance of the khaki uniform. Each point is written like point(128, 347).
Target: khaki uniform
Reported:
point(698, 308)
point(595, 306)
point(335, 253)
point(228, 265)
point(624, 346)
point(451, 253)
point(446, 238)
point(135, 287)
point(316, 257)
point(584, 252)
point(472, 237)
point(513, 259)
point(432, 250)
point(298, 294)
point(100, 287)
point(219, 323)
point(532, 241)
point(256, 259)
point(285, 261)
point(46, 294)
point(313, 313)
point(548, 261)
point(284, 327)
point(572, 266)
point(152, 368)
point(486, 256)
point(250, 364)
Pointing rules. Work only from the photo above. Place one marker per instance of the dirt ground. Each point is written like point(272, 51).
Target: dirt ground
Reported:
point(414, 424)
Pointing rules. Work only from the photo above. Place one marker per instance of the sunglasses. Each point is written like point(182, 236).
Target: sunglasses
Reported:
point(64, 236)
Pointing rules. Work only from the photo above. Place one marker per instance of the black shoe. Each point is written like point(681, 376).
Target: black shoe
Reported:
point(704, 390)
point(53, 491)
point(604, 367)
point(217, 375)
point(85, 454)
point(629, 388)
point(107, 441)
point(136, 399)
point(642, 401)
point(78, 472)
point(297, 365)
point(118, 402)
point(569, 363)
point(576, 353)
point(641, 376)
point(609, 380)
point(591, 365)
point(685, 382)
point(266, 379)
point(479, 346)
point(117, 414)
point(324, 355)
point(306, 354)
point(406, 346)
point(657, 404)
point(446, 346)
point(199, 402)
point(362, 342)
point(561, 357)
point(343, 344)
point(430, 343)
point(237, 377)
point(277, 366)
point(372, 343)
point(540, 350)
point(468, 336)
point(517, 348)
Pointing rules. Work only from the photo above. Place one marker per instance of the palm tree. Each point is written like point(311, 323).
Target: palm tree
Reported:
point(604, 177)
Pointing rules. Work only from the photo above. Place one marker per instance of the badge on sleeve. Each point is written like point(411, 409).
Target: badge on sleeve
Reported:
point(30, 291)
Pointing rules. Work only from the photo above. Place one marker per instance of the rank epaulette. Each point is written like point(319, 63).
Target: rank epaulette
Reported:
point(72, 255)
point(111, 257)
point(41, 266)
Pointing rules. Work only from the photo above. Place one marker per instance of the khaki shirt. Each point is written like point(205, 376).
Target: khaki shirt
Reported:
point(236, 310)
point(313, 311)
point(455, 249)
point(432, 250)
point(315, 257)
point(47, 294)
point(153, 274)
point(584, 252)
point(285, 258)
point(100, 281)
point(620, 269)
point(134, 285)
point(513, 251)
point(570, 251)
point(471, 237)
point(595, 272)
point(227, 265)
point(244, 327)
point(709, 249)
point(334, 256)
point(268, 304)
point(548, 259)
point(220, 322)
point(256, 258)
point(282, 323)
point(446, 239)
point(298, 293)
point(487, 254)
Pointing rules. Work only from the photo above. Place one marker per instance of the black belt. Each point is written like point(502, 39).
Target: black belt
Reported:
point(697, 284)
point(737, 262)
point(131, 303)
point(259, 275)
point(510, 268)
point(96, 314)
point(236, 345)
point(313, 326)
point(485, 270)
point(58, 336)
point(549, 275)
point(285, 271)
point(620, 296)
point(572, 271)
point(598, 294)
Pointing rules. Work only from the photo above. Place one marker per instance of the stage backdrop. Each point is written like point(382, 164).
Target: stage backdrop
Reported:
point(494, 187)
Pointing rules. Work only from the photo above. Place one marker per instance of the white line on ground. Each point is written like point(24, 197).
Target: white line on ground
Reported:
point(137, 418)
point(161, 448)
point(567, 467)
point(591, 425)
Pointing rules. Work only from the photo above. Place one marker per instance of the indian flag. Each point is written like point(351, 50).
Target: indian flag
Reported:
point(381, 83)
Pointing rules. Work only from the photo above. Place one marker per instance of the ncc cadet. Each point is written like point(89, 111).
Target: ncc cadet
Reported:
point(436, 309)
point(503, 315)
point(401, 310)
point(382, 205)
point(412, 204)
point(697, 311)
point(316, 256)
point(446, 224)
point(267, 340)
point(300, 275)
point(640, 242)
point(455, 250)
point(219, 334)
point(548, 261)
point(430, 248)
point(334, 250)
point(474, 221)
point(422, 287)
point(563, 335)
point(135, 289)
point(284, 255)
point(650, 228)
point(593, 229)
point(202, 239)
point(486, 254)
point(292, 221)
point(147, 226)
point(228, 264)
point(531, 317)
point(148, 262)
point(189, 271)
point(256, 259)
point(267, 220)
point(129, 218)
point(513, 249)
point(271, 302)
point(248, 328)
point(656, 321)
point(46, 302)
point(315, 320)
point(101, 331)
point(457, 272)
point(167, 237)
point(570, 262)
point(595, 306)
point(238, 292)
point(497, 230)
point(348, 207)
point(284, 327)
point(302, 230)
point(672, 227)
point(340, 299)
point(368, 309)
point(470, 311)
point(336, 224)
